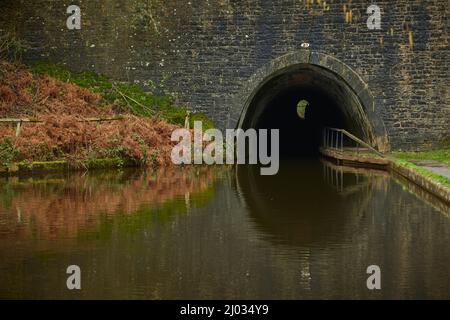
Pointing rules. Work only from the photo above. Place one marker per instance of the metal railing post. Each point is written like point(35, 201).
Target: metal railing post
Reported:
point(328, 138)
point(334, 139)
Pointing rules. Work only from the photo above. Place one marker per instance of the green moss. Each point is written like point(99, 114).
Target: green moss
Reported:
point(206, 122)
point(118, 162)
point(42, 165)
point(8, 153)
point(442, 155)
point(123, 96)
point(441, 179)
point(61, 165)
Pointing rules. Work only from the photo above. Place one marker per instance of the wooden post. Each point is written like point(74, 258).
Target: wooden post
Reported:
point(18, 127)
point(186, 120)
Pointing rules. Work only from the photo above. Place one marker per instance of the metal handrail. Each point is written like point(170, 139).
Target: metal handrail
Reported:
point(334, 138)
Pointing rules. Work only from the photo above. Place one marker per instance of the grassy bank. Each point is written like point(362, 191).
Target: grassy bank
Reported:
point(442, 155)
point(403, 158)
point(137, 129)
point(401, 163)
point(123, 96)
point(424, 172)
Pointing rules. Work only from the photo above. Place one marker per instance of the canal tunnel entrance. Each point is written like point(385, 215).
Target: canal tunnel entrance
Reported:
point(301, 100)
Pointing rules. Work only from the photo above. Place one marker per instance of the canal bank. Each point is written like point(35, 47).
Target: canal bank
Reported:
point(37, 167)
point(432, 182)
point(55, 119)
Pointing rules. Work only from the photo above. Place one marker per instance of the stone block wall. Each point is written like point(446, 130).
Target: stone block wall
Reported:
point(203, 52)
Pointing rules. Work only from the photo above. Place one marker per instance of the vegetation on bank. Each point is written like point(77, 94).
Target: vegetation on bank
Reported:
point(424, 172)
point(124, 96)
point(403, 158)
point(135, 129)
point(442, 155)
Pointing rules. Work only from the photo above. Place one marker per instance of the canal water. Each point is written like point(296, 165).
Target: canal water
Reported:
point(222, 233)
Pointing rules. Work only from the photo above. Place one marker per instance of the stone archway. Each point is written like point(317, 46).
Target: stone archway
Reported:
point(337, 90)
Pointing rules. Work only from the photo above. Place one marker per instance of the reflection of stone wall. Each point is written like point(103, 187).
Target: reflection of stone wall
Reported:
point(379, 223)
point(227, 254)
point(205, 51)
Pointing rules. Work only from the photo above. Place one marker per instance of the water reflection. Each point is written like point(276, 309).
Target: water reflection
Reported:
point(342, 219)
point(67, 206)
point(310, 207)
point(309, 232)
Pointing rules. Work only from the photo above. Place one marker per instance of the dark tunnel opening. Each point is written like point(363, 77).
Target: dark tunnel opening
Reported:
point(329, 100)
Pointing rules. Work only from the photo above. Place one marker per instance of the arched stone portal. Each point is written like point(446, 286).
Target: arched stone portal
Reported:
point(337, 97)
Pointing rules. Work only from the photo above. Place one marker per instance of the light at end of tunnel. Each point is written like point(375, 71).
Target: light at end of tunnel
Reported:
point(301, 108)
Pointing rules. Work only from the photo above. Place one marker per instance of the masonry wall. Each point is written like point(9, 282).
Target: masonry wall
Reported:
point(202, 52)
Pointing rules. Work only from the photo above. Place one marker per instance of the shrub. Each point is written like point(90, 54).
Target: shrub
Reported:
point(8, 153)
point(124, 97)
